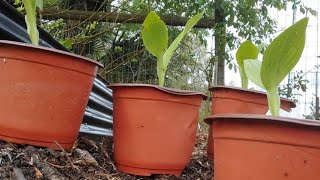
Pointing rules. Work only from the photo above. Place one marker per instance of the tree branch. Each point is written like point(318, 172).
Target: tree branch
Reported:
point(119, 18)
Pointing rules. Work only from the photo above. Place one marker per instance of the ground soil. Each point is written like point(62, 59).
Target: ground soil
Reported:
point(91, 158)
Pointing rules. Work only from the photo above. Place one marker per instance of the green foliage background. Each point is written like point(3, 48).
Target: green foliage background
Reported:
point(119, 46)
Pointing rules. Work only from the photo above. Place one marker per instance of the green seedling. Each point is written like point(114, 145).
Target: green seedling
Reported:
point(247, 50)
point(278, 60)
point(31, 18)
point(155, 39)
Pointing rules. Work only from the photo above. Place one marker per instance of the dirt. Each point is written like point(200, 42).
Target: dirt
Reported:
point(89, 159)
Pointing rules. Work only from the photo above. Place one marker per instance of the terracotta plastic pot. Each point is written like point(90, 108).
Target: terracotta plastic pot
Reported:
point(232, 100)
point(264, 147)
point(154, 128)
point(43, 94)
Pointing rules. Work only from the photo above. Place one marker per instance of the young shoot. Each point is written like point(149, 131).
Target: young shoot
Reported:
point(155, 39)
point(247, 50)
point(31, 18)
point(278, 60)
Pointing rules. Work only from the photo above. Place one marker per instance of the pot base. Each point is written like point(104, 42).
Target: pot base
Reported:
point(50, 145)
point(147, 172)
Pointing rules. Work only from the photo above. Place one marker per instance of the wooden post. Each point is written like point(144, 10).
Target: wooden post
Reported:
point(220, 46)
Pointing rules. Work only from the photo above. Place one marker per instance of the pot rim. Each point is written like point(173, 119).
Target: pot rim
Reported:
point(259, 117)
point(212, 88)
point(164, 89)
point(42, 48)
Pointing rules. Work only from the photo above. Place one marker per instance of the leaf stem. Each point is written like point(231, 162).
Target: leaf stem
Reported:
point(244, 79)
point(274, 100)
point(160, 71)
point(31, 20)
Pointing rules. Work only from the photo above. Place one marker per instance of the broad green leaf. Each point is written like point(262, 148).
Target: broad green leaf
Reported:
point(283, 54)
point(252, 69)
point(155, 35)
point(31, 20)
point(168, 54)
point(155, 39)
point(247, 50)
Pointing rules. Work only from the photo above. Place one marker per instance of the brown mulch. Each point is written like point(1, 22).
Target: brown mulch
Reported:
point(89, 159)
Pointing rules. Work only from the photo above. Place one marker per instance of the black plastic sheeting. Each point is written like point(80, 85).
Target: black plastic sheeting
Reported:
point(98, 115)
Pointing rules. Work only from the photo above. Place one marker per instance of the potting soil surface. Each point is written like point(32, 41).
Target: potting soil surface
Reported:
point(91, 158)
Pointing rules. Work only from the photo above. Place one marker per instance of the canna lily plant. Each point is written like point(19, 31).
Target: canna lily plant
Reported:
point(30, 7)
point(247, 50)
point(279, 59)
point(155, 39)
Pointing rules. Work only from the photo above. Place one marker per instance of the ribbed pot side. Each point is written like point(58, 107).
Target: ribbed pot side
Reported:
point(154, 129)
point(44, 93)
point(232, 100)
point(264, 147)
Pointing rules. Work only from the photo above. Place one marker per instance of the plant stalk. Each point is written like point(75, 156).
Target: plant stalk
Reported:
point(274, 101)
point(244, 79)
point(31, 21)
point(160, 71)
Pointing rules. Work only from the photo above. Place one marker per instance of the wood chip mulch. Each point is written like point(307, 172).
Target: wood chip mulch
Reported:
point(89, 159)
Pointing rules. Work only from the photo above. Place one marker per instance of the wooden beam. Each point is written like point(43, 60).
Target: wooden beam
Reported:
point(119, 18)
point(220, 45)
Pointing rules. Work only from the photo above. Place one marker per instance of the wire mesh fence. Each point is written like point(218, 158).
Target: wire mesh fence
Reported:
point(309, 62)
point(120, 48)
